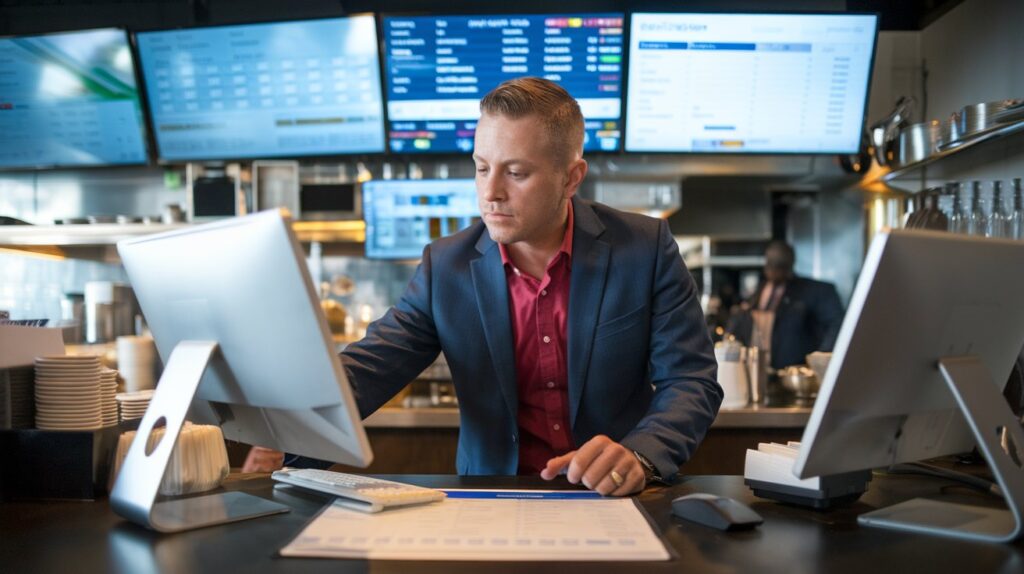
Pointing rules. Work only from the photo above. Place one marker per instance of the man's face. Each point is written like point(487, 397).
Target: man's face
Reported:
point(522, 186)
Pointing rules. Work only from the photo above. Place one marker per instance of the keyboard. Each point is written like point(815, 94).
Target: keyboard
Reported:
point(356, 491)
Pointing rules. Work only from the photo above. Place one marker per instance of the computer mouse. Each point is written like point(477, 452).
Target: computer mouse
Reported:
point(715, 511)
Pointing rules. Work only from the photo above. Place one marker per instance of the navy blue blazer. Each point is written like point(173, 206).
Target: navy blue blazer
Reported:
point(807, 319)
point(640, 360)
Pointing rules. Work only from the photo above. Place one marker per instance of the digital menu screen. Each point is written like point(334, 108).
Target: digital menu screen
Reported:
point(748, 83)
point(286, 89)
point(404, 215)
point(69, 100)
point(437, 68)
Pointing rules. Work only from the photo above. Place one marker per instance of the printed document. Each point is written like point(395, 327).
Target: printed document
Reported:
point(498, 527)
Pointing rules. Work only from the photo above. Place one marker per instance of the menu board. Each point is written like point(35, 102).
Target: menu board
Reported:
point(437, 69)
point(282, 89)
point(68, 100)
point(742, 83)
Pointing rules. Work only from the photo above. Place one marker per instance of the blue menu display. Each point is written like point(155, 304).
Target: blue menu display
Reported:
point(404, 215)
point(69, 100)
point(748, 83)
point(438, 68)
point(264, 90)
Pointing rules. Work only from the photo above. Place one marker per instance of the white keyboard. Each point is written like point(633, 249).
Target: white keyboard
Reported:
point(356, 491)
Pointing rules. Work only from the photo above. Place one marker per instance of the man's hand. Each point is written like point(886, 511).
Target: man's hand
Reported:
point(593, 464)
point(262, 459)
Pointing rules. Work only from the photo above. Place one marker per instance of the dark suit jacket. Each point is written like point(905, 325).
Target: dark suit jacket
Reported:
point(807, 320)
point(641, 365)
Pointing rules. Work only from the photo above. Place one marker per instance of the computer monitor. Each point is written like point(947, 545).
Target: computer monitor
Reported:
point(69, 100)
point(438, 67)
point(930, 309)
point(404, 215)
point(274, 379)
point(748, 83)
point(281, 89)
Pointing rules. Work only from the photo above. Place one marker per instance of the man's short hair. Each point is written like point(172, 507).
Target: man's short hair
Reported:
point(557, 110)
point(780, 255)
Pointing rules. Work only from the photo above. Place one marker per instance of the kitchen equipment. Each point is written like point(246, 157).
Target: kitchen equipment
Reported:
point(800, 380)
point(978, 118)
point(883, 133)
point(732, 374)
point(1012, 113)
point(918, 141)
point(109, 311)
point(72, 315)
point(950, 130)
point(927, 215)
point(757, 372)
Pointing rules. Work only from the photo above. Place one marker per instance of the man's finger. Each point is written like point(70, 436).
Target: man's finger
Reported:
point(556, 465)
point(585, 456)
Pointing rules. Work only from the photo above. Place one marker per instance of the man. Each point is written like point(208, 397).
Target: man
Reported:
point(573, 332)
point(789, 316)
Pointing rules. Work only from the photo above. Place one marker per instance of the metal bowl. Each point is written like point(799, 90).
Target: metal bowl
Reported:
point(918, 141)
point(977, 118)
point(800, 380)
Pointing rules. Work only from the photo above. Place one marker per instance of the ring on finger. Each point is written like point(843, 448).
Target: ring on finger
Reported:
point(616, 477)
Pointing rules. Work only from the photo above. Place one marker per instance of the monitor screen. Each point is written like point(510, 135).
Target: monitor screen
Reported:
point(69, 100)
point(748, 83)
point(438, 68)
point(286, 89)
point(402, 216)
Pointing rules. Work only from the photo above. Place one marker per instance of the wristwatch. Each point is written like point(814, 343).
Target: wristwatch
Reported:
point(651, 473)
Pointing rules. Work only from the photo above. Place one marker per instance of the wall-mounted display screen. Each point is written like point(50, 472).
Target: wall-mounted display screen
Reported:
point(69, 100)
point(748, 83)
point(404, 215)
point(286, 89)
point(438, 67)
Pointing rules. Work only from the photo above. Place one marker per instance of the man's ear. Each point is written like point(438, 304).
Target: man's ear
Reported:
point(574, 176)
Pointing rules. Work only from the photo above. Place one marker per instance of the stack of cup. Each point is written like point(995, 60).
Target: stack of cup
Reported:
point(136, 361)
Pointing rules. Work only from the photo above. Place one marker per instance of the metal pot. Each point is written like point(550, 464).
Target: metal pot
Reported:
point(919, 141)
point(800, 380)
point(883, 133)
point(977, 118)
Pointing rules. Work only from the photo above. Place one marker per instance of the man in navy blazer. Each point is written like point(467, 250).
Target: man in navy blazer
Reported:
point(806, 313)
point(641, 373)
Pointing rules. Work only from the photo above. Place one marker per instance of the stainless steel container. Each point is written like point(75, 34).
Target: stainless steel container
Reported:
point(758, 374)
point(72, 314)
point(977, 118)
point(919, 141)
point(109, 311)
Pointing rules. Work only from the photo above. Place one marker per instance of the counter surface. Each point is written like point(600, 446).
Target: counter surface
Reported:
point(448, 417)
point(88, 537)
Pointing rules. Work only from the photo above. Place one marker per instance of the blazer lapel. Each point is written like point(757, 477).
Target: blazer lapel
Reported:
point(492, 301)
point(586, 291)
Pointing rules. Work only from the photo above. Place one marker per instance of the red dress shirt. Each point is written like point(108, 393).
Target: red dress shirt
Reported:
point(539, 309)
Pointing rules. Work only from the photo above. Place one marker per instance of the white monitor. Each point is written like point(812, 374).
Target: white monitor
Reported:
point(748, 83)
point(932, 331)
point(237, 295)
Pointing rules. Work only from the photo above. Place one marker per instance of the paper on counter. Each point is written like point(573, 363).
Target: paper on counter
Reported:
point(497, 529)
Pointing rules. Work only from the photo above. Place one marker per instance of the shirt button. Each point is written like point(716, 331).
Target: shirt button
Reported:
point(543, 292)
point(551, 384)
point(547, 339)
point(557, 427)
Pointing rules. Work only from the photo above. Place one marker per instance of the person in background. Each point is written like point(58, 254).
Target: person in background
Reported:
point(573, 331)
point(788, 316)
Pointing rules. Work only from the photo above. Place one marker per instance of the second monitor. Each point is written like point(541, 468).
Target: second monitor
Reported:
point(404, 215)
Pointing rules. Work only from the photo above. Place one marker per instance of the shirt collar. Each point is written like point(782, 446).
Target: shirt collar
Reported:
point(566, 247)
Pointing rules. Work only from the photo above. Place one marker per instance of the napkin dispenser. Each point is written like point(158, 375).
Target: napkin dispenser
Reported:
point(768, 471)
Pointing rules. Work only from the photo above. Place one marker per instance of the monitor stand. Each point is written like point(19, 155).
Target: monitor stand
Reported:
point(135, 492)
point(999, 437)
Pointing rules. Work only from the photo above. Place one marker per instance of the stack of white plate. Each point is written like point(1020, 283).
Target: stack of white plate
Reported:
point(108, 396)
point(68, 392)
point(133, 405)
point(17, 384)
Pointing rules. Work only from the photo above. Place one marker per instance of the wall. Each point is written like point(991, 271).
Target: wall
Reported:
point(974, 54)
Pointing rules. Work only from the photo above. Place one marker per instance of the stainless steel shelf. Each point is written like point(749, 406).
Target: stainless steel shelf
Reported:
point(913, 170)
